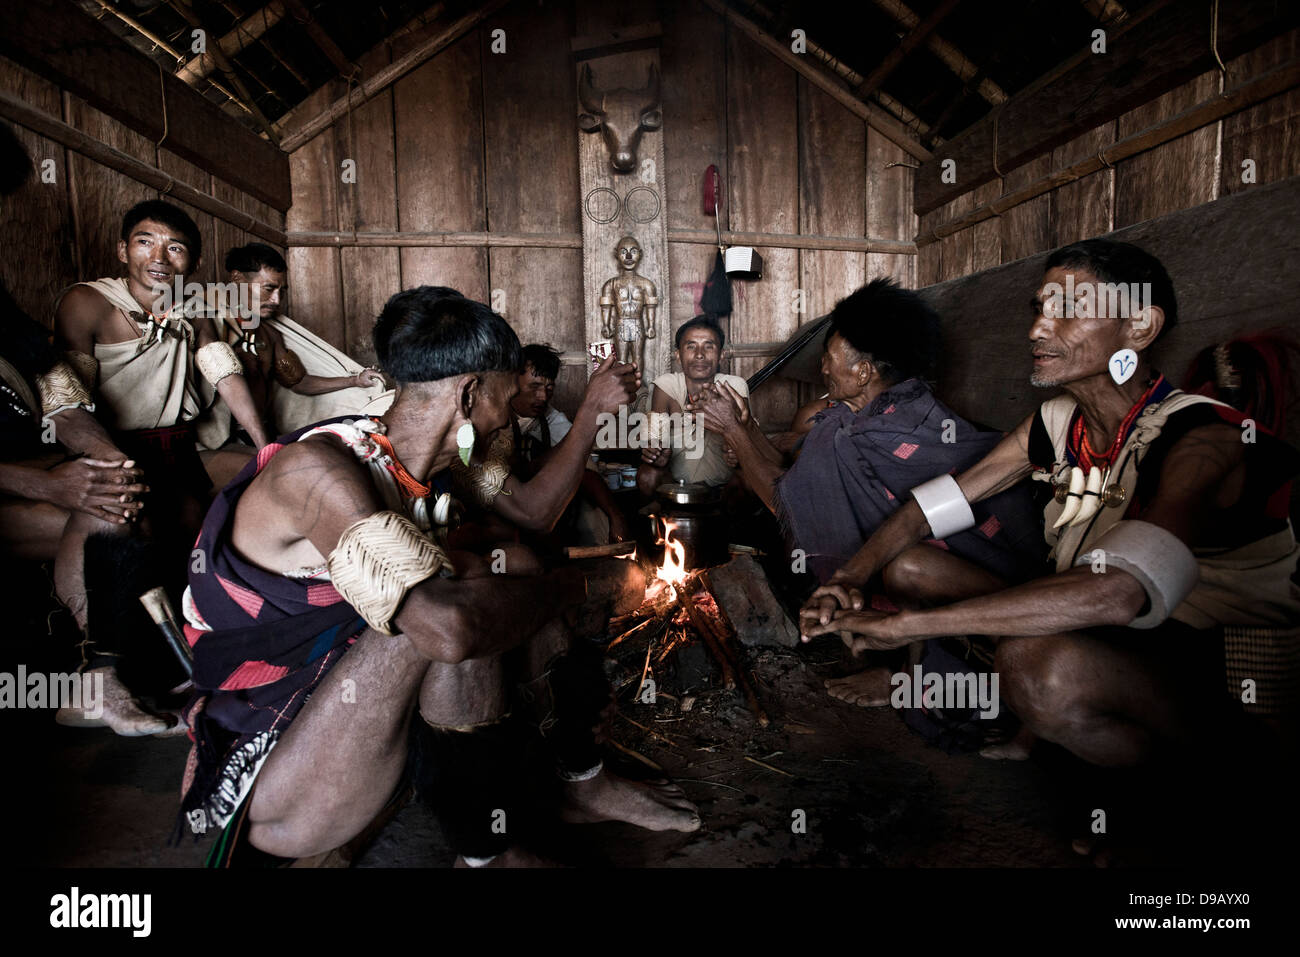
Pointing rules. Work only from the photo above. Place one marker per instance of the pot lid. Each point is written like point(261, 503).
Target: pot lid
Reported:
point(686, 493)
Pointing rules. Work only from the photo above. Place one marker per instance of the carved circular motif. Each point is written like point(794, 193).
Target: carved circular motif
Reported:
point(642, 204)
point(602, 205)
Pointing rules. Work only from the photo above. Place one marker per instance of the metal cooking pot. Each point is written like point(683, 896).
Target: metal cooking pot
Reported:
point(696, 509)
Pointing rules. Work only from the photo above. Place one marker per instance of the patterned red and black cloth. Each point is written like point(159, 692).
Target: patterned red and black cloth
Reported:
point(273, 640)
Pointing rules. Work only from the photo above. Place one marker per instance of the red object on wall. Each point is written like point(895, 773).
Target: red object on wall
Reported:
point(712, 186)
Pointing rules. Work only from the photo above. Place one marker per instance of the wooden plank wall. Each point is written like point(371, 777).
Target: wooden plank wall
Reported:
point(58, 233)
point(1230, 246)
point(1232, 264)
point(480, 141)
point(1188, 171)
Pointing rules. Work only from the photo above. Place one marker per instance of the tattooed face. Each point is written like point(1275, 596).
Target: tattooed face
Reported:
point(1069, 343)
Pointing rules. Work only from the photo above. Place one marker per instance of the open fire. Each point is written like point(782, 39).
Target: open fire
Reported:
point(680, 608)
point(671, 574)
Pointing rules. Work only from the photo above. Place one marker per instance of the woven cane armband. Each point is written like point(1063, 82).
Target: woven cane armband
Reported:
point(1164, 567)
point(217, 360)
point(86, 367)
point(945, 507)
point(61, 389)
point(289, 370)
point(378, 560)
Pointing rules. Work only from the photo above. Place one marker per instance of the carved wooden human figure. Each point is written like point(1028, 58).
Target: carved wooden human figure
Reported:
point(630, 302)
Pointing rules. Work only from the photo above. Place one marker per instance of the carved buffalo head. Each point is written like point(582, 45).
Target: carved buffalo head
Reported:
point(620, 116)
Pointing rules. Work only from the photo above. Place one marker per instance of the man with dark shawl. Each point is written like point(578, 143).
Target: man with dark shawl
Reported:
point(327, 609)
point(884, 433)
point(1167, 519)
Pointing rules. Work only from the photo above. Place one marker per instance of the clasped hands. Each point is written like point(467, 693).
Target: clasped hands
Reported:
point(839, 608)
point(107, 489)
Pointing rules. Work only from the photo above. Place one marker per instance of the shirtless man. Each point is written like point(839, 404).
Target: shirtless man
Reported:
point(1156, 505)
point(539, 427)
point(375, 621)
point(260, 346)
point(142, 365)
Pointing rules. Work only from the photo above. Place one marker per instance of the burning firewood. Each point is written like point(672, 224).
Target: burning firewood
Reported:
point(679, 605)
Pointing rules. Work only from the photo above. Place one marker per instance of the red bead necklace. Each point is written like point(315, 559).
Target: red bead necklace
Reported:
point(1083, 452)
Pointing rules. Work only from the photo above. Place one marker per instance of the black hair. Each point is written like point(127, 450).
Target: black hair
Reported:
point(1117, 262)
point(705, 321)
point(424, 334)
point(253, 258)
point(893, 327)
point(383, 330)
point(544, 360)
point(171, 216)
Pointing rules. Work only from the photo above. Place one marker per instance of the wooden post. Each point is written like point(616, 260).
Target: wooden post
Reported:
point(617, 204)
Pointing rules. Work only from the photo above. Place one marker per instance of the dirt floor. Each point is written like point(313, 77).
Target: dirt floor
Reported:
point(826, 784)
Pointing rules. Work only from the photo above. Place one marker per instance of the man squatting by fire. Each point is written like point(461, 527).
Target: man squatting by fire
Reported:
point(884, 432)
point(1164, 525)
point(337, 616)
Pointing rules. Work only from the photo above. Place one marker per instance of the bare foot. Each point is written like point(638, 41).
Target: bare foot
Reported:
point(512, 857)
point(118, 710)
point(866, 689)
point(608, 797)
point(1017, 748)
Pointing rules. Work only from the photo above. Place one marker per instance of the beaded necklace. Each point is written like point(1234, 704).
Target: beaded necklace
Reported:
point(408, 482)
point(1083, 452)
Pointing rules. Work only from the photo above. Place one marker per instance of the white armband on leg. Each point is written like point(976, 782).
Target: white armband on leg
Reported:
point(217, 360)
point(1164, 567)
point(944, 506)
